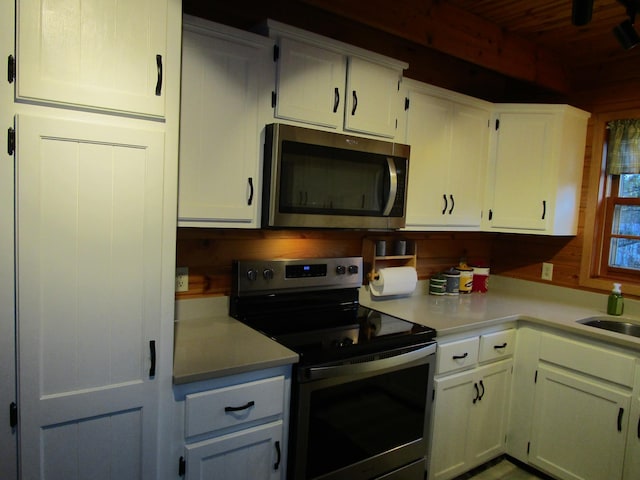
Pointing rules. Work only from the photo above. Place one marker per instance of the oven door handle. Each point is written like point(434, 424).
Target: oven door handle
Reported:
point(317, 373)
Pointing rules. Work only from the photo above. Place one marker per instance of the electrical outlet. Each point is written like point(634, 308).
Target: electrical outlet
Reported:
point(547, 271)
point(182, 279)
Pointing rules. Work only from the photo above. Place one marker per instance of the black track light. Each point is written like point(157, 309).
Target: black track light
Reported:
point(626, 35)
point(581, 12)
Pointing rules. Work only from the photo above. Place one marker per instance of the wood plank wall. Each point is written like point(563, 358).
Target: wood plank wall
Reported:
point(208, 252)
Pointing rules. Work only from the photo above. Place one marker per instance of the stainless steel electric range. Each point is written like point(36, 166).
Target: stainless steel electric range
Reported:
point(362, 391)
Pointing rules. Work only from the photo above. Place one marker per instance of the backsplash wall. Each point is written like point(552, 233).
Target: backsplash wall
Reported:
point(208, 253)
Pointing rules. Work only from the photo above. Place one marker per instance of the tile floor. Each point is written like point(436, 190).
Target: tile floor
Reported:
point(503, 469)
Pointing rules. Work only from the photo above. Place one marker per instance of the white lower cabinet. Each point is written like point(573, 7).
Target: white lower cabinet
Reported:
point(632, 456)
point(579, 426)
point(254, 453)
point(576, 407)
point(470, 406)
point(236, 427)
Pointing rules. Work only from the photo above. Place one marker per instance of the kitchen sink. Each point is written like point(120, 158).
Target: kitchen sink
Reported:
point(619, 325)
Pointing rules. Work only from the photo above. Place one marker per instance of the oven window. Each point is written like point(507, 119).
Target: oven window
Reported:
point(357, 420)
point(328, 180)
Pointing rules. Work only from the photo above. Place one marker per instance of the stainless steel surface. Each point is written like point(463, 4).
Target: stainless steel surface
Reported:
point(376, 364)
point(612, 324)
point(254, 277)
point(276, 134)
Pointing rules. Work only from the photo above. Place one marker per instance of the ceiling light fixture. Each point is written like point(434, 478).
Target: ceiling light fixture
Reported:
point(581, 12)
point(625, 33)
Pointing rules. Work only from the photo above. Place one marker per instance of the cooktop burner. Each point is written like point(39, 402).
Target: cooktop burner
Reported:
point(311, 306)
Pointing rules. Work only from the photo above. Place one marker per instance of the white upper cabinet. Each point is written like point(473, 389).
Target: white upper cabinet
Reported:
point(310, 85)
point(535, 169)
point(333, 85)
point(93, 55)
point(221, 125)
point(449, 136)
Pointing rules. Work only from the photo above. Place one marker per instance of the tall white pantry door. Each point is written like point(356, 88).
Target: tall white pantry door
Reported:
point(88, 226)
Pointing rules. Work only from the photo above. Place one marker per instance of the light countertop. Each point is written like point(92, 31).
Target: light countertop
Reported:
point(208, 343)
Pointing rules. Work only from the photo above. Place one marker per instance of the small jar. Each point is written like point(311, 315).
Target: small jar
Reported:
point(438, 285)
point(453, 281)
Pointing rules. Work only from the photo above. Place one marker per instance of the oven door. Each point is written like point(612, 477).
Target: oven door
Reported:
point(363, 420)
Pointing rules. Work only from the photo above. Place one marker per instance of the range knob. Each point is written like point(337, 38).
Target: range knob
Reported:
point(267, 273)
point(341, 270)
point(252, 274)
point(353, 269)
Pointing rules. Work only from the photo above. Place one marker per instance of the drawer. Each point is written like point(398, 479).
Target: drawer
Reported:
point(595, 360)
point(456, 355)
point(234, 405)
point(495, 346)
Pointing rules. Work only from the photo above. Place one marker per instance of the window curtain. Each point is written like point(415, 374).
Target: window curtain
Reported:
point(623, 147)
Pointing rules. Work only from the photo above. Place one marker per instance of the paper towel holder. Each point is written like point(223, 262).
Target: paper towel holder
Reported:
point(409, 259)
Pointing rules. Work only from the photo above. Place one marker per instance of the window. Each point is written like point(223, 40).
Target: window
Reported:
point(611, 249)
point(621, 239)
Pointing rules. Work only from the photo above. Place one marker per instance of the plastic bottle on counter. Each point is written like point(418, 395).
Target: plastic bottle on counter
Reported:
point(615, 303)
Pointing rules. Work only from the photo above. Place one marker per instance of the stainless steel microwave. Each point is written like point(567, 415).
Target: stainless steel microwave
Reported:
point(318, 179)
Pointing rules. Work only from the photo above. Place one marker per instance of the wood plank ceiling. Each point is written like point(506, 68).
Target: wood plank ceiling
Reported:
point(548, 23)
point(531, 41)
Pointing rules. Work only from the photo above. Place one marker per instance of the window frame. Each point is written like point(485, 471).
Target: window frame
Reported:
point(595, 272)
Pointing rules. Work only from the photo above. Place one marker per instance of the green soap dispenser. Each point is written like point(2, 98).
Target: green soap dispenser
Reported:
point(615, 304)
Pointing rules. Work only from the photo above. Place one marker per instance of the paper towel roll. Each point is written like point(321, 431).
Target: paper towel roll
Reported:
point(394, 281)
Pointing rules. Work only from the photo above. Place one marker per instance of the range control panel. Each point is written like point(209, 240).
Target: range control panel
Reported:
point(252, 277)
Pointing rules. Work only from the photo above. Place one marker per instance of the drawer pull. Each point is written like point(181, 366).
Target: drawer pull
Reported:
point(498, 347)
point(243, 407)
point(460, 357)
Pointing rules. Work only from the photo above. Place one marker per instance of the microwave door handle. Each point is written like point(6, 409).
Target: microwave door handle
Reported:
point(393, 181)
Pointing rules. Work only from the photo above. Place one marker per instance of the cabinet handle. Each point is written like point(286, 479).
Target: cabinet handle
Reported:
point(620, 414)
point(460, 357)
point(336, 101)
point(355, 103)
point(152, 352)
point(477, 397)
point(13, 415)
point(278, 455)
point(482, 394)
point(159, 82)
point(490, 214)
point(544, 209)
point(638, 427)
point(498, 347)
point(453, 204)
point(243, 407)
point(444, 197)
point(250, 200)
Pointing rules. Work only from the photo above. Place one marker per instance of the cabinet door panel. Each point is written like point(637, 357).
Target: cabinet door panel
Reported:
point(92, 54)
point(491, 412)
point(575, 431)
point(89, 224)
point(310, 84)
point(468, 162)
point(248, 454)
point(523, 152)
point(429, 133)
point(372, 98)
point(448, 456)
point(219, 131)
